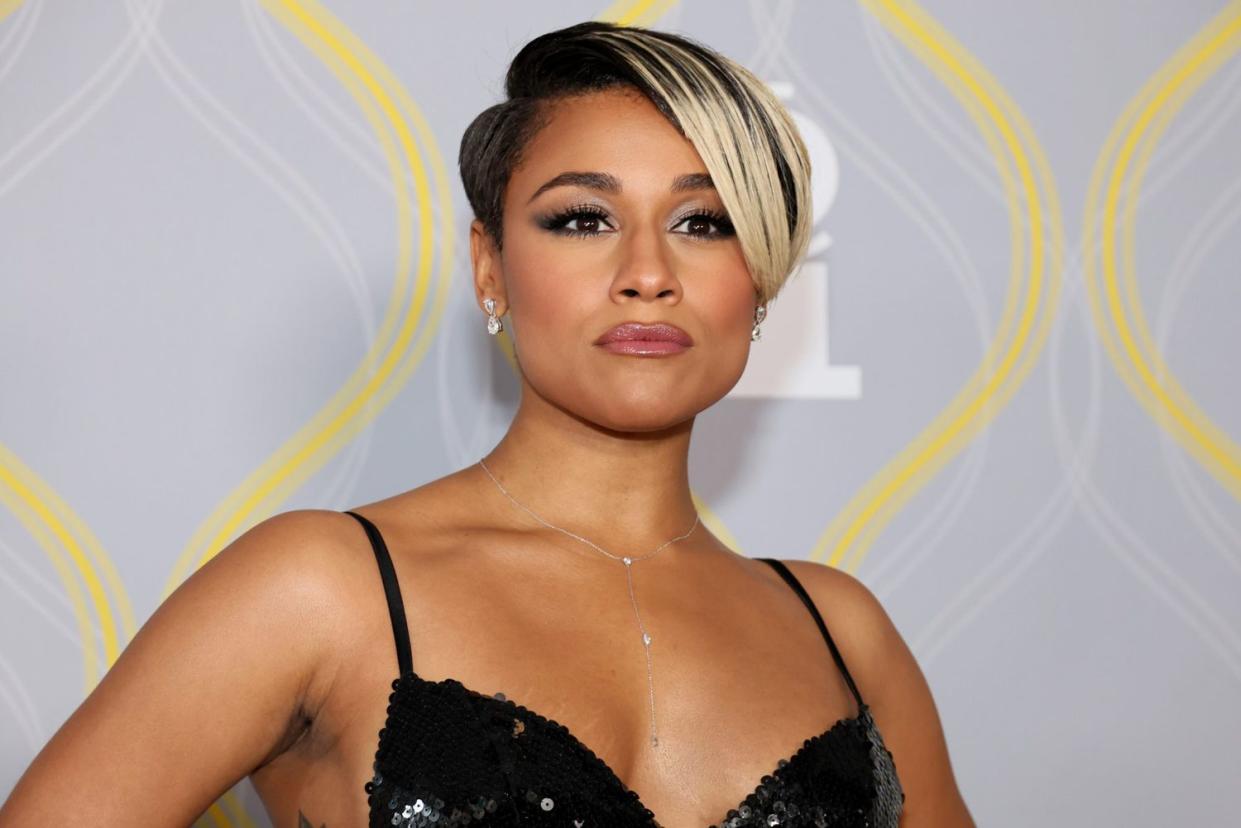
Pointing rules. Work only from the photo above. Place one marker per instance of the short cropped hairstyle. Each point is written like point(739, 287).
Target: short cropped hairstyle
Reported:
point(752, 150)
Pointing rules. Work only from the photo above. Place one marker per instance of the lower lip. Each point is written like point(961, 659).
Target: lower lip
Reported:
point(644, 347)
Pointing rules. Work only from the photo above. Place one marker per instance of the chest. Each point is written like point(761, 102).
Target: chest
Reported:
point(448, 754)
point(534, 729)
point(545, 715)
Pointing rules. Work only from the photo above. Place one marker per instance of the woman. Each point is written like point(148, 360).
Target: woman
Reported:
point(572, 645)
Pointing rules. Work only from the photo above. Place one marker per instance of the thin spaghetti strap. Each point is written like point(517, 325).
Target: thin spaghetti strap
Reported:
point(792, 581)
point(392, 590)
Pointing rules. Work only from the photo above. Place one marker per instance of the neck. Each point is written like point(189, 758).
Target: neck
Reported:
point(626, 491)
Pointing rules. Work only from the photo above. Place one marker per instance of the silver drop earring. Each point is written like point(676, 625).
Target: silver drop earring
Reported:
point(760, 313)
point(494, 325)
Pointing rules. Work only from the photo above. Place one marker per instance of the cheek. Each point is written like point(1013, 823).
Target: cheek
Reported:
point(731, 301)
point(556, 300)
point(551, 298)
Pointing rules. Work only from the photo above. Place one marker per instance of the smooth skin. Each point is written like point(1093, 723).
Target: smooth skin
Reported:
point(275, 659)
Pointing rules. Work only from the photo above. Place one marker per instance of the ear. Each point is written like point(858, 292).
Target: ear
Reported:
point(488, 271)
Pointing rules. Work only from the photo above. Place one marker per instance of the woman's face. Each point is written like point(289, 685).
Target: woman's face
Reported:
point(641, 237)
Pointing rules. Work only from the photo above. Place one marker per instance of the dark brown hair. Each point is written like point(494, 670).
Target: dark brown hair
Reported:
point(746, 138)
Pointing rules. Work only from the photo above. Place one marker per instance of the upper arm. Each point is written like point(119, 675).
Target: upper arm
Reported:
point(210, 688)
point(892, 683)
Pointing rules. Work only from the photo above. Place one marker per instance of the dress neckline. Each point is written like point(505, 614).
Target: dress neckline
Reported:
point(859, 720)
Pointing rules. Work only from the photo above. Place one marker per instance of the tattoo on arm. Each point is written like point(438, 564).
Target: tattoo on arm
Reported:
point(302, 822)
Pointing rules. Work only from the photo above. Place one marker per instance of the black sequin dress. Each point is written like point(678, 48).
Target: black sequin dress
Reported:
point(452, 756)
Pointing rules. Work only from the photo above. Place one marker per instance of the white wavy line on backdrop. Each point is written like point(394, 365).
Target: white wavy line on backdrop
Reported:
point(1190, 128)
point(965, 146)
point(1204, 237)
point(341, 480)
point(905, 564)
point(17, 699)
point(926, 214)
point(20, 30)
point(1001, 573)
point(998, 573)
point(54, 595)
point(109, 75)
point(892, 63)
point(295, 191)
point(774, 28)
point(1199, 614)
point(285, 69)
point(359, 142)
point(920, 541)
point(975, 453)
point(19, 703)
point(102, 75)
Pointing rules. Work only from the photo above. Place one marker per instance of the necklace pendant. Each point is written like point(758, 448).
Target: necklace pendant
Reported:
point(627, 561)
point(646, 639)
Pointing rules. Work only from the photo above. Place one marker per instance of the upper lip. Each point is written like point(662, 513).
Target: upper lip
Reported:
point(648, 332)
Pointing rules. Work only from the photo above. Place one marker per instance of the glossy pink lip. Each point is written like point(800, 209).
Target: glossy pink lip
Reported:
point(659, 333)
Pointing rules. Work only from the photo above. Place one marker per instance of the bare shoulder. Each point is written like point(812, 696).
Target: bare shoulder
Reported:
point(294, 580)
point(218, 681)
point(894, 687)
point(305, 558)
point(860, 626)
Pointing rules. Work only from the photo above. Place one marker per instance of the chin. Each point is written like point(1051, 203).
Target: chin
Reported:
point(644, 415)
point(648, 425)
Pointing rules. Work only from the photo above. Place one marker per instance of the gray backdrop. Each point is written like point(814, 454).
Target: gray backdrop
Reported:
point(234, 271)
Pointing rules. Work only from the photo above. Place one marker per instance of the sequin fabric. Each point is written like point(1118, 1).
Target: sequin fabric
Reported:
point(451, 756)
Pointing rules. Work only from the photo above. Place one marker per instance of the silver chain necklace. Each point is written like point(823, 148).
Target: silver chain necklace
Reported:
point(628, 562)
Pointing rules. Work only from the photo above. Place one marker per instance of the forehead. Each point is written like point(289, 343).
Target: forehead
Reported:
point(617, 131)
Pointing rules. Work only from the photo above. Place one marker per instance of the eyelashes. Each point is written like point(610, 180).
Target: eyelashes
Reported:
point(592, 216)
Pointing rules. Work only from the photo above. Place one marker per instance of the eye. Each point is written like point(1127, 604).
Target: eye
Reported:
point(588, 220)
point(703, 220)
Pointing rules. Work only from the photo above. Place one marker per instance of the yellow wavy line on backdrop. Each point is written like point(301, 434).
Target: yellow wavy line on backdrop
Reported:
point(219, 813)
point(218, 816)
point(993, 403)
point(1003, 126)
point(320, 426)
point(1207, 441)
point(1146, 118)
point(50, 520)
point(877, 494)
point(386, 392)
point(7, 7)
point(60, 532)
point(410, 361)
point(640, 13)
point(25, 507)
point(351, 408)
point(232, 804)
point(351, 61)
point(1176, 81)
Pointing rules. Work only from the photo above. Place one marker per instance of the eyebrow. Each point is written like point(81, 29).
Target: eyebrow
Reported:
point(608, 183)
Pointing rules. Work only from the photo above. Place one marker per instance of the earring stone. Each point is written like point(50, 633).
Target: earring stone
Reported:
point(494, 325)
point(760, 313)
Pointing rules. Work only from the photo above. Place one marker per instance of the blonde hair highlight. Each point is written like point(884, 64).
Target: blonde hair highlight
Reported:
point(739, 137)
point(747, 139)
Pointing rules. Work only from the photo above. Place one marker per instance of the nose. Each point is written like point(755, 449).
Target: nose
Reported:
point(646, 271)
